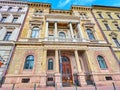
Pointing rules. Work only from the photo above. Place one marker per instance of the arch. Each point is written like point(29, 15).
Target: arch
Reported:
point(29, 62)
point(101, 62)
point(35, 32)
point(50, 64)
point(90, 34)
point(62, 35)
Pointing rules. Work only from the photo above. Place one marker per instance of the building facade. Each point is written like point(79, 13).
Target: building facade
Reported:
point(61, 47)
point(109, 20)
point(12, 16)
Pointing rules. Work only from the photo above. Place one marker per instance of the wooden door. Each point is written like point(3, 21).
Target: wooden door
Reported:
point(66, 71)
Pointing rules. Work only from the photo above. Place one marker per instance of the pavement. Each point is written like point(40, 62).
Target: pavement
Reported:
point(68, 88)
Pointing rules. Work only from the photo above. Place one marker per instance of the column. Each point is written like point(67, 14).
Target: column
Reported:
point(2, 33)
point(81, 76)
point(77, 61)
point(43, 69)
point(55, 31)
point(71, 30)
point(57, 74)
point(56, 61)
point(14, 34)
point(46, 32)
point(80, 30)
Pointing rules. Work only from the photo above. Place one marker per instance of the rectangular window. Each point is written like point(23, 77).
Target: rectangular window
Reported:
point(10, 8)
point(3, 19)
point(107, 26)
point(118, 15)
point(118, 27)
point(50, 79)
point(110, 16)
point(19, 9)
point(15, 19)
point(108, 78)
point(7, 36)
point(116, 42)
point(25, 80)
point(100, 15)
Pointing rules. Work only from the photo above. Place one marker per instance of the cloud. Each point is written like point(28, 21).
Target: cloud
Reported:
point(63, 3)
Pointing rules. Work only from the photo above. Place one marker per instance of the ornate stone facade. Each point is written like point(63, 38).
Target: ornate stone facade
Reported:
point(12, 17)
point(58, 47)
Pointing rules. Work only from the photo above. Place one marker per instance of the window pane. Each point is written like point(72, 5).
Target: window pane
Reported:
point(15, 19)
point(3, 19)
point(7, 36)
point(116, 42)
point(35, 32)
point(50, 64)
point(29, 62)
point(62, 35)
point(107, 26)
point(101, 62)
point(90, 34)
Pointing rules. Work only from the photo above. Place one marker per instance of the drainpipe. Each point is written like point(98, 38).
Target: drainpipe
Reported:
point(106, 39)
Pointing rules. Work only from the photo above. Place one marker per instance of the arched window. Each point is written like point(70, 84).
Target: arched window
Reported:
point(62, 35)
point(50, 64)
point(90, 34)
point(29, 62)
point(101, 62)
point(35, 32)
point(65, 59)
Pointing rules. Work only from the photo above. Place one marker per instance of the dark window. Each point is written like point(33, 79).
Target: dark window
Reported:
point(118, 27)
point(7, 36)
point(35, 32)
point(90, 34)
point(26, 80)
point(29, 62)
point(64, 59)
point(50, 64)
point(110, 16)
point(10, 8)
point(3, 19)
point(0, 7)
point(116, 42)
point(15, 19)
point(50, 79)
point(100, 15)
point(62, 35)
point(107, 26)
point(101, 62)
point(118, 16)
point(108, 78)
point(19, 9)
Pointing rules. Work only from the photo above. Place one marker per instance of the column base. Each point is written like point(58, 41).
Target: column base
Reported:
point(43, 80)
point(81, 79)
point(58, 80)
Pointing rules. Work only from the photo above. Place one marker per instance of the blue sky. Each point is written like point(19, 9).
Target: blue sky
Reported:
point(66, 4)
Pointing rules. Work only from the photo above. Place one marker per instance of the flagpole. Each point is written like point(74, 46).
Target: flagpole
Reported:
point(60, 68)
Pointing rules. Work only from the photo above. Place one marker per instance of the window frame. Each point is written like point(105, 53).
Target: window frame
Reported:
point(107, 26)
point(7, 36)
point(89, 33)
point(29, 62)
point(116, 42)
point(35, 32)
point(102, 62)
point(50, 64)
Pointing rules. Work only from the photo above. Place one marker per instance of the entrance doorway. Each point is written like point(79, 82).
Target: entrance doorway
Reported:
point(66, 71)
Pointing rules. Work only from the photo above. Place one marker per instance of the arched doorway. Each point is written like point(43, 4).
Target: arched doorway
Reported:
point(66, 71)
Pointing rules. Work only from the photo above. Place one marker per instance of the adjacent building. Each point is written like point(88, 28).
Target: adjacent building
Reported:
point(108, 19)
point(61, 47)
point(12, 15)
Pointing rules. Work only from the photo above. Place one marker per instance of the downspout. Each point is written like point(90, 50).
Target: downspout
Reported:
point(105, 38)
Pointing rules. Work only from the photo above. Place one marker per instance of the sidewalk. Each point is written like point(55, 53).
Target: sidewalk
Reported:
point(67, 88)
